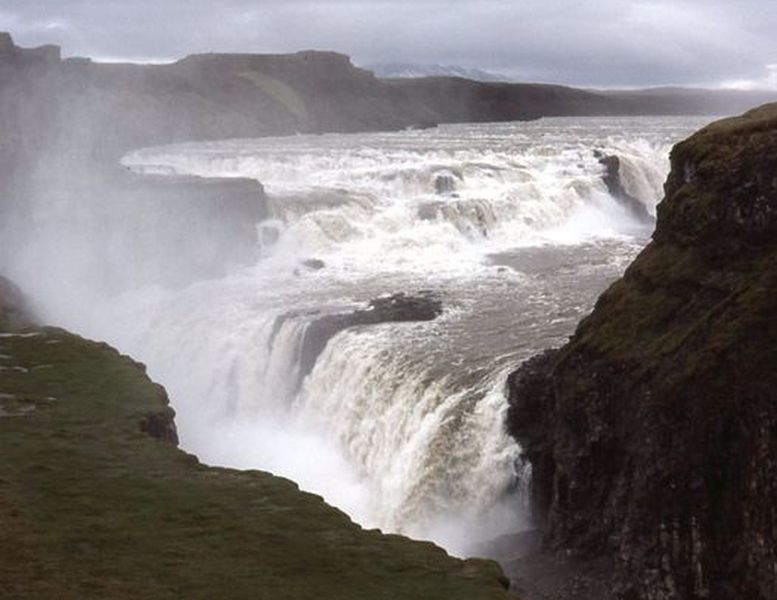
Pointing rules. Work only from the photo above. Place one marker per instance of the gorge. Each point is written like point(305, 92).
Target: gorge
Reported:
point(344, 309)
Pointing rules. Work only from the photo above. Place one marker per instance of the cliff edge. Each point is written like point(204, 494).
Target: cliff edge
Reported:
point(96, 501)
point(653, 433)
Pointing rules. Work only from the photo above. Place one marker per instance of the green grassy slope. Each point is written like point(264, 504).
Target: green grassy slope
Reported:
point(93, 507)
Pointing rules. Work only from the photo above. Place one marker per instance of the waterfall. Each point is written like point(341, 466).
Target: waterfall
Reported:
point(399, 424)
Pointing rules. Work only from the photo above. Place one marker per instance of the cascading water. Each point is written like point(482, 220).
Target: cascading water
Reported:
point(380, 196)
point(400, 424)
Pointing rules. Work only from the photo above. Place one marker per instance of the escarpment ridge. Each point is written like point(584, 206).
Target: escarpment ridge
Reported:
point(120, 107)
point(653, 433)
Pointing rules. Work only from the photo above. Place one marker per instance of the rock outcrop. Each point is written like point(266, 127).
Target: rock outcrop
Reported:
point(396, 308)
point(612, 179)
point(160, 422)
point(653, 433)
point(14, 310)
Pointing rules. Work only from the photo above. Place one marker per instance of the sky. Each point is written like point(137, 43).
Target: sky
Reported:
point(601, 43)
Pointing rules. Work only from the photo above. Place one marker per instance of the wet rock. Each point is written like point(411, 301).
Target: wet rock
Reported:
point(314, 264)
point(612, 179)
point(397, 308)
point(653, 433)
point(445, 183)
point(310, 264)
point(269, 234)
point(473, 219)
point(429, 211)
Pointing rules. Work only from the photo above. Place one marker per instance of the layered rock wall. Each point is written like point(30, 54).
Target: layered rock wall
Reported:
point(653, 432)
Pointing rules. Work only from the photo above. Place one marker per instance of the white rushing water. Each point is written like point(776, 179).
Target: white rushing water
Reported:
point(401, 424)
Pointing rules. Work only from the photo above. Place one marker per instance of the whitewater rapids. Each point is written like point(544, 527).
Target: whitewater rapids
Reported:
point(400, 425)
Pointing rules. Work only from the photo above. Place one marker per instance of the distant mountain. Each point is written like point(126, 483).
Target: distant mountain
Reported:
point(410, 70)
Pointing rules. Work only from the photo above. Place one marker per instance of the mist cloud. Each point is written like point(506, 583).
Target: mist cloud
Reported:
point(603, 43)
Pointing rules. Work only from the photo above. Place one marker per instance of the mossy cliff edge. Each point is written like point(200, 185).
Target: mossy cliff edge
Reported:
point(653, 432)
point(97, 502)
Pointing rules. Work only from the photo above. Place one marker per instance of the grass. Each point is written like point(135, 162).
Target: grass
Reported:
point(92, 507)
point(713, 247)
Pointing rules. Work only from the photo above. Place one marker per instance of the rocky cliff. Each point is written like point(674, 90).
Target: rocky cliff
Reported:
point(653, 433)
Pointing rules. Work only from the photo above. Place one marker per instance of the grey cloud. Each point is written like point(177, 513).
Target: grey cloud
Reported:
point(601, 43)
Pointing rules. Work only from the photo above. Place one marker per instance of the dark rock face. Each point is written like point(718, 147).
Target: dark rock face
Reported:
point(398, 308)
point(472, 219)
point(612, 179)
point(314, 264)
point(14, 312)
point(309, 265)
point(653, 433)
point(6, 44)
point(445, 183)
point(161, 424)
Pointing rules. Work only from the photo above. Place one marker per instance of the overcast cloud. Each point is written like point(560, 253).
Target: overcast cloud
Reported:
point(590, 43)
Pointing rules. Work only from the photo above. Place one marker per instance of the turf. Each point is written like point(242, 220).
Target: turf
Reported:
point(93, 507)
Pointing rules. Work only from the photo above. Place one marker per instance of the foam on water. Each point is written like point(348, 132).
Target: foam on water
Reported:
point(411, 200)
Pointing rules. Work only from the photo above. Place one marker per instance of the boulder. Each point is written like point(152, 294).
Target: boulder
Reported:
point(445, 183)
point(309, 264)
point(314, 264)
point(612, 179)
